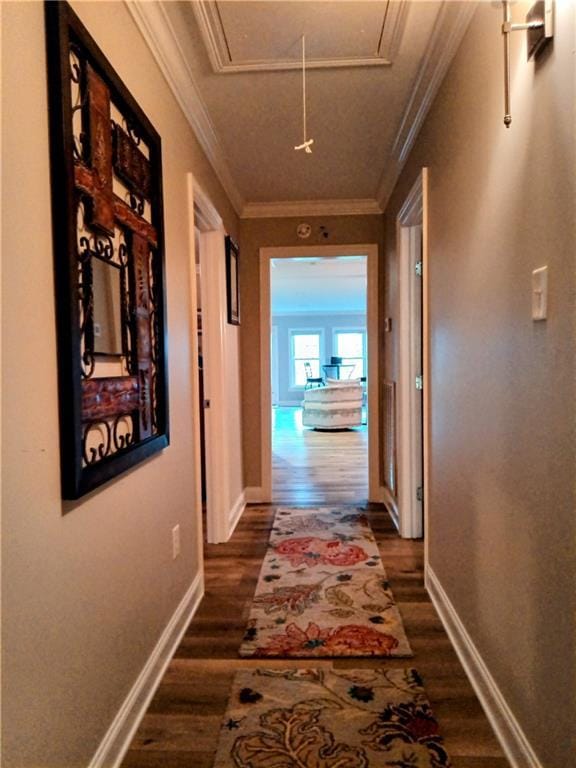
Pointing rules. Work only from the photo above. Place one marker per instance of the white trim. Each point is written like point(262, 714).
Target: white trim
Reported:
point(115, 743)
point(253, 494)
point(194, 368)
point(363, 331)
point(391, 505)
point(291, 359)
point(215, 418)
point(372, 324)
point(512, 738)
point(205, 213)
point(236, 512)
point(409, 228)
point(294, 208)
point(159, 34)
point(215, 40)
point(451, 24)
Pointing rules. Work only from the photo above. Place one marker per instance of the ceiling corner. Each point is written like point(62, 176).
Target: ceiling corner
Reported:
point(451, 25)
point(158, 33)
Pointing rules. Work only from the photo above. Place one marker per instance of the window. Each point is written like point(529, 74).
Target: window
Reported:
point(305, 347)
point(351, 347)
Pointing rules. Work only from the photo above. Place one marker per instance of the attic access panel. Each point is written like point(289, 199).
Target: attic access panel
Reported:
point(257, 36)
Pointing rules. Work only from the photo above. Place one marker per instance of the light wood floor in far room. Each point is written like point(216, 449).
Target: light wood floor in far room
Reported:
point(181, 727)
point(313, 467)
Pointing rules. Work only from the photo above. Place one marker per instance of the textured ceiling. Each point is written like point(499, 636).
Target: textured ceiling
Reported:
point(354, 112)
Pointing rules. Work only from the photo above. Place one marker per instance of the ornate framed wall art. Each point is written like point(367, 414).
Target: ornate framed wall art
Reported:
point(109, 263)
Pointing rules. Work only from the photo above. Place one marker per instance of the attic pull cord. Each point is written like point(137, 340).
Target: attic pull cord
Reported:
point(307, 143)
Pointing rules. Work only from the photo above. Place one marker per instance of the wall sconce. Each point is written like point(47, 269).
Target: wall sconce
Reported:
point(540, 29)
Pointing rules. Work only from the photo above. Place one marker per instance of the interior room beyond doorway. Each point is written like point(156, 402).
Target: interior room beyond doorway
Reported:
point(318, 365)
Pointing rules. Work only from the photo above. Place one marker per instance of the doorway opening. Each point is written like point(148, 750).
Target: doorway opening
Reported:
point(209, 355)
point(413, 378)
point(321, 342)
point(319, 370)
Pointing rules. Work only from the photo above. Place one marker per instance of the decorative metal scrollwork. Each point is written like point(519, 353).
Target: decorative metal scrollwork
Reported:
point(108, 251)
point(97, 442)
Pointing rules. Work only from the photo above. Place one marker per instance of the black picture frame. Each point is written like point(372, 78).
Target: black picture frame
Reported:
point(109, 422)
point(232, 282)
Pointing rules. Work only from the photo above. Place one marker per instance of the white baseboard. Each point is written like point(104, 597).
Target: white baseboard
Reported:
point(115, 743)
point(510, 735)
point(391, 504)
point(236, 511)
point(253, 494)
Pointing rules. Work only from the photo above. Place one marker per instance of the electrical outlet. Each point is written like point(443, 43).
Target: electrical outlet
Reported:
point(176, 541)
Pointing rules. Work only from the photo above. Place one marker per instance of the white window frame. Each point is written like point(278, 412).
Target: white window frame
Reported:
point(363, 331)
point(303, 332)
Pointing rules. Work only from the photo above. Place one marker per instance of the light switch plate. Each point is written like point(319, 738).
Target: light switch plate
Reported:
point(540, 293)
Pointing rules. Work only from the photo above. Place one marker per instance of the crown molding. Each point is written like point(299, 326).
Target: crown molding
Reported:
point(295, 208)
point(157, 30)
point(214, 35)
point(451, 24)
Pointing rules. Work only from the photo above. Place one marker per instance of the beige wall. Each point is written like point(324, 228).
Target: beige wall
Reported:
point(87, 593)
point(502, 520)
point(261, 233)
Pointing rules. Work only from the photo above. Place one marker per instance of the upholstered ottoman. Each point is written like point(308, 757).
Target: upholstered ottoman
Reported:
point(335, 406)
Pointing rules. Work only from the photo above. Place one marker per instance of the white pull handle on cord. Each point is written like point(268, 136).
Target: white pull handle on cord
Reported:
point(307, 143)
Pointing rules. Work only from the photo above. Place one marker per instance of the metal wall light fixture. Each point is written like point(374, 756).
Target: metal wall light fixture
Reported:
point(540, 29)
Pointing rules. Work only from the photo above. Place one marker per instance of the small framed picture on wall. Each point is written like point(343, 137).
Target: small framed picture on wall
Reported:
point(232, 286)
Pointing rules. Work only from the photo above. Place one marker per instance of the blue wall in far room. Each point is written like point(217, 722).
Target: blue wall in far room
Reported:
point(326, 323)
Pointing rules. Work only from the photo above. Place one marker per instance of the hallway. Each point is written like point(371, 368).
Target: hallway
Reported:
point(180, 729)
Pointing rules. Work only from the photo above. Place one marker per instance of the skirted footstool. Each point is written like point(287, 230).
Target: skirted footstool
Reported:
point(335, 406)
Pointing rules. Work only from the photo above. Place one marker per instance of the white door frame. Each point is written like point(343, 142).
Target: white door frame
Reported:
point(369, 250)
point(207, 220)
point(275, 377)
point(413, 405)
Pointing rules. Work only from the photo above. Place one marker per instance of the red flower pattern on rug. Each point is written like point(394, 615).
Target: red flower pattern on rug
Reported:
point(311, 551)
point(339, 641)
point(323, 594)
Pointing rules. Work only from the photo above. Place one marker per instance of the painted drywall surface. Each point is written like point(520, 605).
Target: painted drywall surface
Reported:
point(502, 522)
point(87, 593)
point(327, 325)
point(262, 233)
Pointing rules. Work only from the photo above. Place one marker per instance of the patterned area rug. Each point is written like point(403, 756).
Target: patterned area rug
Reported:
point(322, 591)
point(326, 719)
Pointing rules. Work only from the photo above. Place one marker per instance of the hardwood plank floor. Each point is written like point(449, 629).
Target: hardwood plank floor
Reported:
point(311, 467)
point(180, 729)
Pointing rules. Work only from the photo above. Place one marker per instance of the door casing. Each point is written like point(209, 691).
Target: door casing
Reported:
point(207, 220)
point(369, 250)
point(413, 342)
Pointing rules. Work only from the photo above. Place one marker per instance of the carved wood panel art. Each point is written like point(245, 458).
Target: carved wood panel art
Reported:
point(109, 262)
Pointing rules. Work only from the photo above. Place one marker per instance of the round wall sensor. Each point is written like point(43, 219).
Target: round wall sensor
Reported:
point(303, 230)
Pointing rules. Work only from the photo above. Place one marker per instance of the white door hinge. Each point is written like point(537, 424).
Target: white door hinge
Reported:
point(419, 382)
point(418, 268)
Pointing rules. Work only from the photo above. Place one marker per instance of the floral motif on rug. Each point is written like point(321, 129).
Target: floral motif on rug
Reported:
point(306, 718)
point(323, 591)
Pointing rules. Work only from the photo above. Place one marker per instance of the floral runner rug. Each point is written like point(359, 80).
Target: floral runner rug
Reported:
point(322, 590)
point(305, 718)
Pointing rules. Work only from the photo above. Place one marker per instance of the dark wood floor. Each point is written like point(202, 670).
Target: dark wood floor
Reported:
point(181, 727)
